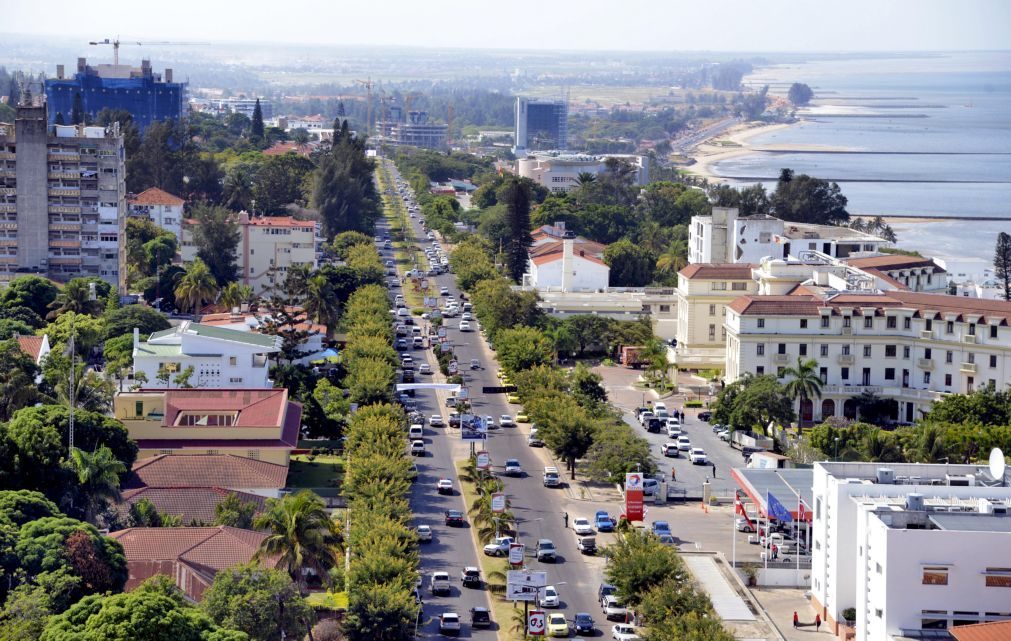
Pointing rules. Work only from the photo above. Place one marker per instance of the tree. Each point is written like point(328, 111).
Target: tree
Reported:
point(34, 292)
point(516, 197)
point(1002, 263)
point(753, 402)
point(343, 189)
point(81, 296)
point(123, 320)
point(805, 383)
point(801, 198)
point(637, 562)
point(98, 474)
point(800, 94)
point(522, 348)
point(196, 286)
point(256, 129)
point(587, 330)
point(22, 506)
point(17, 379)
point(279, 182)
point(155, 611)
point(631, 265)
point(262, 602)
point(234, 512)
point(566, 427)
point(302, 537)
point(369, 381)
point(617, 450)
point(381, 612)
point(216, 236)
point(321, 304)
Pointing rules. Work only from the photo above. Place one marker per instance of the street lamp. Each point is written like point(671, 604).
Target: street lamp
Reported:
point(837, 448)
point(537, 597)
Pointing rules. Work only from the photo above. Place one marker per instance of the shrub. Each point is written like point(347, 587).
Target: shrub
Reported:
point(693, 403)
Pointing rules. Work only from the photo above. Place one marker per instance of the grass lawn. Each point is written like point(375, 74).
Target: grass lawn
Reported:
point(322, 472)
point(328, 600)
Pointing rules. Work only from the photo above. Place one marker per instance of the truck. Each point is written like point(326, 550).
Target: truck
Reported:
point(631, 356)
point(754, 442)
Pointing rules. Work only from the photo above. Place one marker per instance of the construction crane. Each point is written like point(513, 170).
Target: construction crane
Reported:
point(449, 124)
point(368, 105)
point(116, 42)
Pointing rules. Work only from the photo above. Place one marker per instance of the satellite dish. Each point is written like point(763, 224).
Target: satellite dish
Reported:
point(997, 464)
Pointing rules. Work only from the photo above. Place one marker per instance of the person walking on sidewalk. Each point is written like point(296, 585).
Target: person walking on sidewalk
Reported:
point(817, 623)
point(796, 619)
point(714, 470)
point(565, 518)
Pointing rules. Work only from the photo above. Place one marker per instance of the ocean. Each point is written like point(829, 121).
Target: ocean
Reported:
point(921, 135)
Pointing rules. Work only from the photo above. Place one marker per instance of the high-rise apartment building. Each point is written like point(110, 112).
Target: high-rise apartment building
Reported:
point(62, 198)
point(541, 124)
point(138, 90)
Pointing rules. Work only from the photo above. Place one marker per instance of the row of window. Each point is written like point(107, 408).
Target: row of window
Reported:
point(721, 286)
point(891, 322)
point(891, 351)
point(992, 577)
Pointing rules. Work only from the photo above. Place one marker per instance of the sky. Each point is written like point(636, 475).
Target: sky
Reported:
point(622, 25)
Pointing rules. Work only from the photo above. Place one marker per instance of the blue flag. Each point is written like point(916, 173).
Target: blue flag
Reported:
point(777, 510)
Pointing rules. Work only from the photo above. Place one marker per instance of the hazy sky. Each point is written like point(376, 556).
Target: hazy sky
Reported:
point(664, 25)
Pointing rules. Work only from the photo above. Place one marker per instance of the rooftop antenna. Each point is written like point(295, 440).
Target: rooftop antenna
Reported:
point(997, 465)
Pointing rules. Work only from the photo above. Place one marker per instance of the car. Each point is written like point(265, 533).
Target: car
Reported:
point(551, 476)
point(548, 597)
point(401, 343)
point(464, 326)
point(451, 401)
point(586, 544)
point(650, 487)
point(557, 625)
point(415, 432)
point(475, 364)
point(424, 533)
point(512, 398)
point(670, 450)
point(438, 583)
point(454, 518)
point(660, 527)
point(513, 467)
point(435, 420)
point(582, 623)
point(467, 316)
point(480, 618)
point(506, 421)
point(603, 521)
point(667, 539)
point(603, 590)
point(470, 576)
point(490, 422)
point(743, 525)
point(717, 428)
point(522, 418)
point(705, 416)
point(624, 632)
point(535, 441)
point(545, 550)
point(582, 526)
point(684, 443)
point(723, 435)
point(613, 608)
point(444, 486)
point(443, 291)
point(674, 431)
point(697, 456)
point(498, 547)
point(417, 448)
point(449, 623)
point(424, 369)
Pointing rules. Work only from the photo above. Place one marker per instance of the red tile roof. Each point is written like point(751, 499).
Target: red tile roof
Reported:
point(279, 221)
point(718, 271)
point(224, 319)
point(753, 305)
point(191, 504)
point(558, 246)
point(287, 440)
point(254, 407)
point(996, 631)
point(31, 345)
point(550, 258)
point(891, 262)
point(155, 196)
point(281, 148)
point(206, 470)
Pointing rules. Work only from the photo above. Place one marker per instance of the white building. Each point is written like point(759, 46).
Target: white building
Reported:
point(311, 346)
point(220, 358)
point(568, 265)
point(726, 237)
point(560, 172)
point(904, 272)
point(310, 123)
point(703, 293)
point(913, 548)
point(160, 207)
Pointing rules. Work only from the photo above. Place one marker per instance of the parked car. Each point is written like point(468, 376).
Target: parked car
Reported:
point(545, 550)
point(449, 623)
point(697, 456)
point(535, 441)
point(650, 487)
point(603, 521)
point(498, 547)
point(548, 597)
point(670, 450)
point(724, 435)
point(582, 526)
point(586, 544)
point(417, 448)
point(603, 590)
point(660, 527)
point(624, 632)
point(480, 618)
point(454, 518)
point(471, 577)
point(613, 608)
point(705, 416)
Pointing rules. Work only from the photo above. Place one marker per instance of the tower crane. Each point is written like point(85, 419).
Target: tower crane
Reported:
point(368, 105)
point(114, 43)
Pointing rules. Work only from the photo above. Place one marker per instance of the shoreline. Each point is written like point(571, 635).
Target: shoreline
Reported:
point(706, 154)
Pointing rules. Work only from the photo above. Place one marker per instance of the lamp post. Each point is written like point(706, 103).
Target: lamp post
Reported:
point(537, 597)
point(837, 448)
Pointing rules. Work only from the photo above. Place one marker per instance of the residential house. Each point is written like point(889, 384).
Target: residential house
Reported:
point(567, 265)
point(160, 207)
point(311, 346)
point(37, 347)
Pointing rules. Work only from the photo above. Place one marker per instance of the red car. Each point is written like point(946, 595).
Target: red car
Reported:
point(454, 518)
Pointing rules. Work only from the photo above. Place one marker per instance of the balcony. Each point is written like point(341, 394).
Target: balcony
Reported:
point(781, 359)
point(927, 334)
point(969, 339)
point(64, 175)
point(968, 368)
point(64, 157)
point(8, 208)
point(65, 191)
point(7, 155)
point(847, 331)
point(852, 390)
point(846, 359)
point(925, 363)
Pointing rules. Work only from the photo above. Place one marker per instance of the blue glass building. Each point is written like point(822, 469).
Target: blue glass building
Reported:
point(139, 91)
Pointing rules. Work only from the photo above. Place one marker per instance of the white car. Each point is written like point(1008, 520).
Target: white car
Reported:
point(417, 448)
point(506, 421)
point(549, 598)
point(443, 291)
point(673, 431)
point(444, 486)
point(464, 326)
point(424, 534)
point(424, 368)
point(449, 623)
point(624, 632)
point(697, 456)
point(467, 316)
point(435, 420)
point(498, 547)
point(684, 443)
point(582, 526)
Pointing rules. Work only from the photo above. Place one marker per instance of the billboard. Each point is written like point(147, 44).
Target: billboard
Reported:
point(523, 585)
point(516, 553)
point(498, 502)
point(484, 462)
point(536, 623)
point(634, 510)
point(472, 428)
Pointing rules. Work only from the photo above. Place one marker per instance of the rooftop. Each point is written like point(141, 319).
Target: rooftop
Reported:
point(155, 196)
point(191, 504)
point(268, 342)
point(933, 306)
point(889, 262)
point(966, 522)
point(996, 631)
point(579, 244)
point(31, 345)
point(718, 271)
point(800, 231)
point(205, 471)
point(252, 407)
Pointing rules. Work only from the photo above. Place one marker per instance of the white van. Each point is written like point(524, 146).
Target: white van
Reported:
point(416, 432)
point(551, 477)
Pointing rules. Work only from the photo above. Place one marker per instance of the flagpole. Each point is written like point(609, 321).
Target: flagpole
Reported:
point(768, 529)
point(797, 536)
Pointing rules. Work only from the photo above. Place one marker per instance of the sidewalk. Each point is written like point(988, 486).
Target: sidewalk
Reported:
point(780, 604)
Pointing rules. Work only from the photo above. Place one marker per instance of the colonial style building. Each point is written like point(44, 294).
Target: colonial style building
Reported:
point(703, 293)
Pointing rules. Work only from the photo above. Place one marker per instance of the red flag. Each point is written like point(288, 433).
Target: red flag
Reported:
point(800, 512)
point(738, 505)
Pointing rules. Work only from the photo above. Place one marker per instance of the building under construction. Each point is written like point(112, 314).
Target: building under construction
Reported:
point(411, 129)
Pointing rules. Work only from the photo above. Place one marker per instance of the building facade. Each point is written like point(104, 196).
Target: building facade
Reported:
point(244, 106)
point(560, 172)
point(138, 90)
point(268, 246)
point(161, 208)
point(913, 548)
point(220, 357)
point(541, 124)
point(62, 198)
point(567, 266)
point(702, 296)
point(412, 130)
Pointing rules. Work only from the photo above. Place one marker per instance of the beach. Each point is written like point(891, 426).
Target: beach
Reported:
point(735, 142)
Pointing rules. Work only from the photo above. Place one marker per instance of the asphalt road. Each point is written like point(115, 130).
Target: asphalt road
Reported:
point(538, 509)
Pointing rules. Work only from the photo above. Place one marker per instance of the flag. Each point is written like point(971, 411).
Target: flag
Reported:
point(778, 511)
point(801, 516)
point(738, 505)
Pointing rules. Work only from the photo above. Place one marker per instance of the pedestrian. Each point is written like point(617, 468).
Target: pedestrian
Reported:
point(796, 619)
point(817, 623)
point(714, 470)
point(673, 474)
point(565, 517)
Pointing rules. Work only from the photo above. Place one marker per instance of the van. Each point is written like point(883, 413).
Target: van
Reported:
point(551, 477)
point(403, 312)
point(416, 432)
point(418, 342)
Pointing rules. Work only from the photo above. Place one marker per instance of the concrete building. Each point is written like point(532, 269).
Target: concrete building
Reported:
point(244, 106)
point(220, 357)
point(62, 198)
point(161, 208)
point(703, 294)
point(541, 124)
point(311, 346)
point(909, 346)
point(726, 237)
point(258, 424)
point(268, 246)
point(568, 265)
point(138, 90)
point(560, 172)
point(914, 549)
point(412, 129)
point(904, 272)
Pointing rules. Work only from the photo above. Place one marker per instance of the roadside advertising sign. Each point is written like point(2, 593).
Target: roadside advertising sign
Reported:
point(446, 347)
point(522, 585)
point(498, 502)
point(453, 367)
point(516, 553)
point(536, 622)
point(463, 393)
point(472, 429)
point(483, 460)
point(442, 332)
point(634, 510)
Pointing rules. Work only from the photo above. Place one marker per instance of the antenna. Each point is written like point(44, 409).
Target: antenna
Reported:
point(997, 465)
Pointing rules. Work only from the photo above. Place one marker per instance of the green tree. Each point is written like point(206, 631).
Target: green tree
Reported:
point(279, 182)
point(588, 330)
point(637, 562)
point(801, 198)
point(21, 506)
point(256, 128)
point(522, 348)
point(302, 536)
point(631, 265)
point(753, 402)
point(81, 296)
point(370, 381)
point(262, 602)
point(235, 295)
point(98, 475)
point(196, 286)
point(381, 612)
point(17, 379)
point(805, 383)
point(216, 236)
point(566, 427)
point(617, 450)
point(321, 303)
point(123, 320)
point(1002, 263)
point(343, 189)
point(516, 198)
point(34, 292)
point(234, 512)
point(800, 94)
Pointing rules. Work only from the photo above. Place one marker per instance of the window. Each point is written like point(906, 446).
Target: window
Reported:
point(948, 356)
point(235, 380)
point(867, 351)
point(233, 360)
point(712, 332)
point(906, 322)
point(926, 353)
point(803, 323)
point(890, 322)
point(760, 349)
point(889, 351)
point(823, 375)
point(803, 349)
point(993, 360)
point(866, 376)
point(138, 408)
point(998, 577)
point(846, 350)
point(847, 321)
point(781, 348)
point(253, 454)
point(738, 287)
point(972, 329)
point(926, 378)
point(934, 619)
point(719, 287)
point(868, 322)
point(947, 380)
point(878, 612)
point(905, 351)
point(665, 308)
point(761, 323)
point(972, 357)
point(935, 575)
point(930, 325)
point(844, 373)
point(759, 370)
point(993, 331)
point(889, 373)
point(824, 351)
point(825, 321)
point(949, 327)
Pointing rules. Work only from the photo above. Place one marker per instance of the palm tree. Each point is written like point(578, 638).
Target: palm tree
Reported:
point(585, 178)
point(76, 297)
point(302, 536)
point(671, 261)
point(98, 474)
point(196, 285)
point(234, 295)
point(805, 384)
point(321, 304)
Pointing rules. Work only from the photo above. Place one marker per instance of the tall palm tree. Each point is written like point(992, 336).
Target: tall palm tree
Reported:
point(235, 294)
point(585, 178)
point(302, 536)
point(76, 297)
point(196, 285)
point(805, 384)
point(98, 474)
point(321, 304)
point(671, 261)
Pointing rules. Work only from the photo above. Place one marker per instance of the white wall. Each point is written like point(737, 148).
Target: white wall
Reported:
point(249, 370)
point(586, 275)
